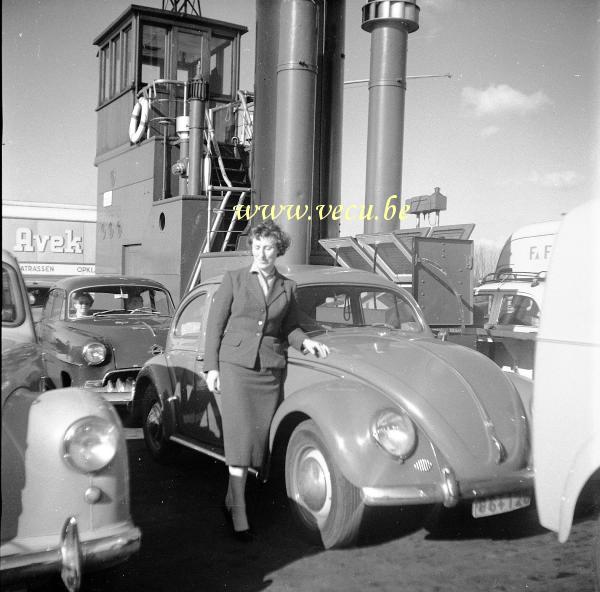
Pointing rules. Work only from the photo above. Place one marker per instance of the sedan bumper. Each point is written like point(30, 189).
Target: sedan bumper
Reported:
point(117, 387)
point(70, 556)
point(450, 491)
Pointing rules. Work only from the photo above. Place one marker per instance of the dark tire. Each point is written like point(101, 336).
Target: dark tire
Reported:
point(326, 506)
point(160, 447)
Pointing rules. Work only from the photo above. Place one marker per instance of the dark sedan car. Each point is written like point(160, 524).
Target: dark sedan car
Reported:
point(97, 331)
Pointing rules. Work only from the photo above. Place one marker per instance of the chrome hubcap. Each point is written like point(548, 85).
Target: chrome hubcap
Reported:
point(313, 484)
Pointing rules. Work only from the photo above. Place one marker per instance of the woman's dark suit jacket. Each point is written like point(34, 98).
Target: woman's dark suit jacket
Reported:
point(243, 324)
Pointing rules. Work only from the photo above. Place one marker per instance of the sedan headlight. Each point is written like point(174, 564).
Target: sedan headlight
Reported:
point(91, 443)
point(94, 353)
point(395, 433)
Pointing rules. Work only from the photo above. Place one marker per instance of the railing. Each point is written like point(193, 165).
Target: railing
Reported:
point(514, 276)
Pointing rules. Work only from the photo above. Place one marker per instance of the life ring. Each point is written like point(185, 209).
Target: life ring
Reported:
point(139, 120)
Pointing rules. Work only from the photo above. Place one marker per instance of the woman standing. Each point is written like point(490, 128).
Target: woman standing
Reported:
point(252, 319)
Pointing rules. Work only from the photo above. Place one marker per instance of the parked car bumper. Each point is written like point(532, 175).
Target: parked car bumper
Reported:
point(25, 559)
point(450, 491)
point(116, 387)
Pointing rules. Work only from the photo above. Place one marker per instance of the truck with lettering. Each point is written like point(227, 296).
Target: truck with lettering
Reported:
point(507, 303)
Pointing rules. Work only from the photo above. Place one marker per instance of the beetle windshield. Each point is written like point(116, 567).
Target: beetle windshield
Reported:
point(104, 300)
point(329, 306)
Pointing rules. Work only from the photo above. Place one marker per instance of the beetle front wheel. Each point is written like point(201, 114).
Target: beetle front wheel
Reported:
point(324, 503)
point(160, 447)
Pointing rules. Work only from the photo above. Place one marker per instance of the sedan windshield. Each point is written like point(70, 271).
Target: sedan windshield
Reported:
point(105, 300)
point(329, 306)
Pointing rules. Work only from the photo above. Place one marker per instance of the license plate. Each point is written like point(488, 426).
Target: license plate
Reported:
point(491, 506)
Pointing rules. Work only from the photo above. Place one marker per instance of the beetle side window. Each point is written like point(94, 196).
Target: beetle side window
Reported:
point(328, 306)
point(190, 324)
point(387, 309)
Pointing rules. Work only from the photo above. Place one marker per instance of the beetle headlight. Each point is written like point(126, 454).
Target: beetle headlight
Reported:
point(91, 443)
point(395, 433)
point(94, 353)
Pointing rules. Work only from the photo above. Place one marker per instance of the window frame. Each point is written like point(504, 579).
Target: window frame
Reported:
point(116, 57)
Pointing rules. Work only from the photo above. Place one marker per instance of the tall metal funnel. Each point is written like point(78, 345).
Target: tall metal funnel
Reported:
point(389, 22)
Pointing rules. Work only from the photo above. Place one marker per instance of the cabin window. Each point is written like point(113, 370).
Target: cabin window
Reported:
point(189, 53)
point(115, 66)
point(221, 65)
point(104, 74)
point(153, 53)
point(126, 49)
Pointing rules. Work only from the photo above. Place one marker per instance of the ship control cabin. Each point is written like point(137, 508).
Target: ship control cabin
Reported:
point(173, 142)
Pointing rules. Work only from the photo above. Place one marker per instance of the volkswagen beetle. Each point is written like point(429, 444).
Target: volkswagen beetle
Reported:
point(393, 416)
point(65, 480)
point(97, 331)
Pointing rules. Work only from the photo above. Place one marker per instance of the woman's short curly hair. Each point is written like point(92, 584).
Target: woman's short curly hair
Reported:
point(271, 230)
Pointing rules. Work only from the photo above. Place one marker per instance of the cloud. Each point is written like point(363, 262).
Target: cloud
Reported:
point(490, 130)
point(556, 180)
point(502, 99)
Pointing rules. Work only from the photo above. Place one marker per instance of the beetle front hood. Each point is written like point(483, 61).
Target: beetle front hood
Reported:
point(130, 337)
point(460, 398)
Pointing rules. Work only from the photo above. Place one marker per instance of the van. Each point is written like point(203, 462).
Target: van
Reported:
point(566, 400)
point(507, 304)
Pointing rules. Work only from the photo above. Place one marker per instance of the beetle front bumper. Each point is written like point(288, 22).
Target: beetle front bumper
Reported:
point(449, 492)
point(22, 559)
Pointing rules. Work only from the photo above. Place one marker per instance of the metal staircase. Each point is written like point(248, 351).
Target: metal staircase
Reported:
point(230, 181)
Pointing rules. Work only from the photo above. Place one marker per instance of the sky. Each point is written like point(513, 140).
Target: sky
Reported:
point(511, 138)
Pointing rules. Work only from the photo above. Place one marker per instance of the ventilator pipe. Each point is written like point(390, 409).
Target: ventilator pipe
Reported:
point(198, 95)
point(389, 23)
point(294, 139)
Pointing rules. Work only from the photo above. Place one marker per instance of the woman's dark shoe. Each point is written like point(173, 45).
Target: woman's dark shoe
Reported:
point(244, 536)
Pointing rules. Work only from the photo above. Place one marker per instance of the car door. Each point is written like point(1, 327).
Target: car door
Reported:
point(198, 409)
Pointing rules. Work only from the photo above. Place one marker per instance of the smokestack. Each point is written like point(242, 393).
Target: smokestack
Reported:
point(389, 22)
point(295, 114)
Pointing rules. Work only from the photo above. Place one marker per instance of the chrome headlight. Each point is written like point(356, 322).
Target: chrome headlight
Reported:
point(94, 353)
point(395, 433)
point(91, 443)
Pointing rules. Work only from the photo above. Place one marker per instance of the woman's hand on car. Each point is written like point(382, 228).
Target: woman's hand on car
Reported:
point(316, 348)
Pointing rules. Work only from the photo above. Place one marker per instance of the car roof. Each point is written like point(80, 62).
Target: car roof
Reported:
point(79, 282)
point(314, 274)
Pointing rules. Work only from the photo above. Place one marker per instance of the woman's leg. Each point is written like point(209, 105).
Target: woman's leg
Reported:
point(235, 500)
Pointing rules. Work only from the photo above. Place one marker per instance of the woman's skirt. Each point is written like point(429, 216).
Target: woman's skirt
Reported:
point(249, 399)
